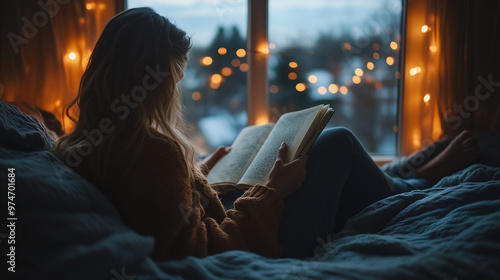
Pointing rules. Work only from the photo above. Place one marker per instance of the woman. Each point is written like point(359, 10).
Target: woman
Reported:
point(128, 141)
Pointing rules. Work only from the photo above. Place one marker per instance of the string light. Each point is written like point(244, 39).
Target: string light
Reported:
point(427, 97)
point(292, 76)
point(358, 72)
point(222, 51)
point(90, 6)
point(312, 79)
point(207, 60)
point(356, 79)
point(244, 67)
point(394, 45)
point(196, 96)
point(293, 64)
point(235, 62)
point(72, 56)
point(343, 90)
point(333, 88)
point(300, 87)
point(322, 90)
point(370, 65)
point(415, 70)
point(241, 53)
point(389, 60)
point(226, 71)
point(425, 28)
point(216, 78)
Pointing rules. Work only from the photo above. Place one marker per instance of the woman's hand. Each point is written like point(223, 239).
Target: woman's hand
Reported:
point(209, 162)
point(286, 178)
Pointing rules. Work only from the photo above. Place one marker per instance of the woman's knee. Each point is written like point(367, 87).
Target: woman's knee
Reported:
point(335, 138)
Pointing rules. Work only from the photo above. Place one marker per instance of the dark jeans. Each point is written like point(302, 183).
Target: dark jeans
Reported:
point(341, 180)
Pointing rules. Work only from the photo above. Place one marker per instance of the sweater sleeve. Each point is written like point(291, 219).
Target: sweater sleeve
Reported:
point(165, 204)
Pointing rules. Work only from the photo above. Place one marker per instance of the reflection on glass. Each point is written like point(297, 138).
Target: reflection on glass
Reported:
point(323, 48)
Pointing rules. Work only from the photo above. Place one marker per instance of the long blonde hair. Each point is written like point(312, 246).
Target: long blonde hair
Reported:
point(129, 85)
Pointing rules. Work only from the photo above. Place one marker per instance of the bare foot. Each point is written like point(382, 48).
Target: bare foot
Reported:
point(460, 153)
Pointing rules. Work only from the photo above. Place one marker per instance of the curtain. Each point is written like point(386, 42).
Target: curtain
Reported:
point(469, 64)
point(45, 46)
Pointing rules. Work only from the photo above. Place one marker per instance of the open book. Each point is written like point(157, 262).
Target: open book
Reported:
point(255, 149)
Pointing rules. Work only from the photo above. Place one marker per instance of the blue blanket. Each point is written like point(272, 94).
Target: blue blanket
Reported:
point(68, 230)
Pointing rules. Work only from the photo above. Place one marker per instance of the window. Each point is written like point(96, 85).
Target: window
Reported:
point(214, 85)
point(342, 53)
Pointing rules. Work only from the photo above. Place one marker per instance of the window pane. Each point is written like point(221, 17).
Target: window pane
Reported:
point(214, 84)
point(342, 53)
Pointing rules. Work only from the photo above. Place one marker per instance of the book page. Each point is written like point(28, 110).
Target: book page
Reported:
point(291, 129)
point(232, 166)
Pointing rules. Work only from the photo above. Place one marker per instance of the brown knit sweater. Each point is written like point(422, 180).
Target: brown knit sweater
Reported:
point(186, 217)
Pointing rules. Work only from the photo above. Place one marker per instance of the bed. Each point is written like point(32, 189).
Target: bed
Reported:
point(67, 229)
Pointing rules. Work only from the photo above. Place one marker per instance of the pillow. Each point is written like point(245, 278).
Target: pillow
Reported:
point(22, 132)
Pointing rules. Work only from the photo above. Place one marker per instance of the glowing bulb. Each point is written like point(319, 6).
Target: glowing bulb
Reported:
point(263, 48)
point(433, 48)
point(235, 62)
point(370, 65)
point(244, 67)
point(300, 87)
point(376, 55)
point(196, 96)
point(222, 51)
point(312, 79)
point(226, 71)
point(90, 6)
point(216, 78)
point(322, 90)
point(376, 46)
point(207, 60)
point(415, 70)
point(241, 53)
point(343, 90)
point(333, 88)
point(394, 45)
point(292, 76)
point(293, 64)
point(72, 56)
point(358, 72)
point(356, 79)
point(425, 28)
point(427, 97)
point(389, 60)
